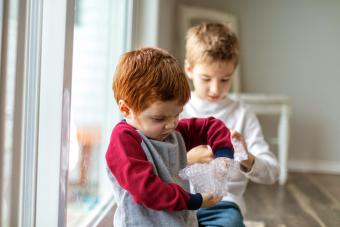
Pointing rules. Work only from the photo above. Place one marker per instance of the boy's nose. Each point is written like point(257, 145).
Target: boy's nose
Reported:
point(214, 88)
point(171, 124)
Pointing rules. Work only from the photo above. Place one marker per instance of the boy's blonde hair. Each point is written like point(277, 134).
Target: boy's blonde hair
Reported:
point(147, 75)
point(208, 42)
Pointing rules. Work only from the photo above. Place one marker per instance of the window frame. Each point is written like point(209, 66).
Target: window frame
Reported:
point(53, 139)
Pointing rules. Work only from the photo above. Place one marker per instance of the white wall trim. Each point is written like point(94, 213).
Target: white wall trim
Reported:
point(145, 23)
point(314, 166)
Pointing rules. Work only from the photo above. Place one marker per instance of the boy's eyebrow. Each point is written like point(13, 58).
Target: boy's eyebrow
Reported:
point(202, 74)
point(157, 116)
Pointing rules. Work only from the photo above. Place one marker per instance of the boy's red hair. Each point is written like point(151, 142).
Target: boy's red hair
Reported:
point(147, 75)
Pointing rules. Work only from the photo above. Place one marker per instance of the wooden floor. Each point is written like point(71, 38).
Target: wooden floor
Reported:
point(306, 200)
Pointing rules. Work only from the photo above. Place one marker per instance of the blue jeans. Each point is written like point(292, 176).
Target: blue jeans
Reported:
point(226, 214)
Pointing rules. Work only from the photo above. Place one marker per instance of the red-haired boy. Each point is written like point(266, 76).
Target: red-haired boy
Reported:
point(148, 148)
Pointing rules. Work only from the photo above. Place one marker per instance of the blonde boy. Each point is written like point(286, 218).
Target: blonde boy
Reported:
point(212, 54)
point(148, 148)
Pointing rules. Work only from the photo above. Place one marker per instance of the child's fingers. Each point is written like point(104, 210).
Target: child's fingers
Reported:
point(200, 154)
point(210, 199)
point(217, 198)
point(236, 135)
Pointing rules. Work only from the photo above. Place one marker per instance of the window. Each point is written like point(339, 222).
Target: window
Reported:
point(93, 113)
point(43, 44)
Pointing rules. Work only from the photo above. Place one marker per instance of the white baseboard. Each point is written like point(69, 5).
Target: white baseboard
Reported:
point(314, 166)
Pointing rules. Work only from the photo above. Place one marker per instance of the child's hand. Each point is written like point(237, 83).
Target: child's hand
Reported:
point(238, 136)
point(248, 163)
point(210, 200)
point(199, 154)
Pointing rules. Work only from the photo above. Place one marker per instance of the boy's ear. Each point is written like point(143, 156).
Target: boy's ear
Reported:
point(124, 108)
point(188, 69)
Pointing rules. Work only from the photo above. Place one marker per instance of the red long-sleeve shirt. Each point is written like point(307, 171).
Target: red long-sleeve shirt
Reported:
point(129, 165)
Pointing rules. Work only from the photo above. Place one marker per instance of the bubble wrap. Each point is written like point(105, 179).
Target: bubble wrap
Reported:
point(240, 153)
point(213, 177)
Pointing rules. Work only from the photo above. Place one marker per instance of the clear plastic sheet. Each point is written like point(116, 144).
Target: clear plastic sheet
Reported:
point(239, 151)
point(213, 177)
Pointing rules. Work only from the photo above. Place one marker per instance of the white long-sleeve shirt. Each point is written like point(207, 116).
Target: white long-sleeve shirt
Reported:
point(237, 116)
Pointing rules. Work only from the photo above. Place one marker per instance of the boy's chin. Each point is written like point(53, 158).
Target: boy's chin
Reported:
point(158, 137)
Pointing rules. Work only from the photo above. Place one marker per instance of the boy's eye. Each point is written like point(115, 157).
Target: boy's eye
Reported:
point(158, 119)
point(205, 79)
point(225, 80)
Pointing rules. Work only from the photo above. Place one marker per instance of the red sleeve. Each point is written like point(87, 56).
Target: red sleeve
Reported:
point(129, 165)
point(206, 131)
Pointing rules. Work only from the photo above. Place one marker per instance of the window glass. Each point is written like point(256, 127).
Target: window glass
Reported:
point(96, 46)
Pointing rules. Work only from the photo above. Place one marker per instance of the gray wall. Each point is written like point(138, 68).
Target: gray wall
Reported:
point(293, 48)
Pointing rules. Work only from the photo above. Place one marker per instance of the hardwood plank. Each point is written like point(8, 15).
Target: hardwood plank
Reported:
point(306, 200)
point(329, 184)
